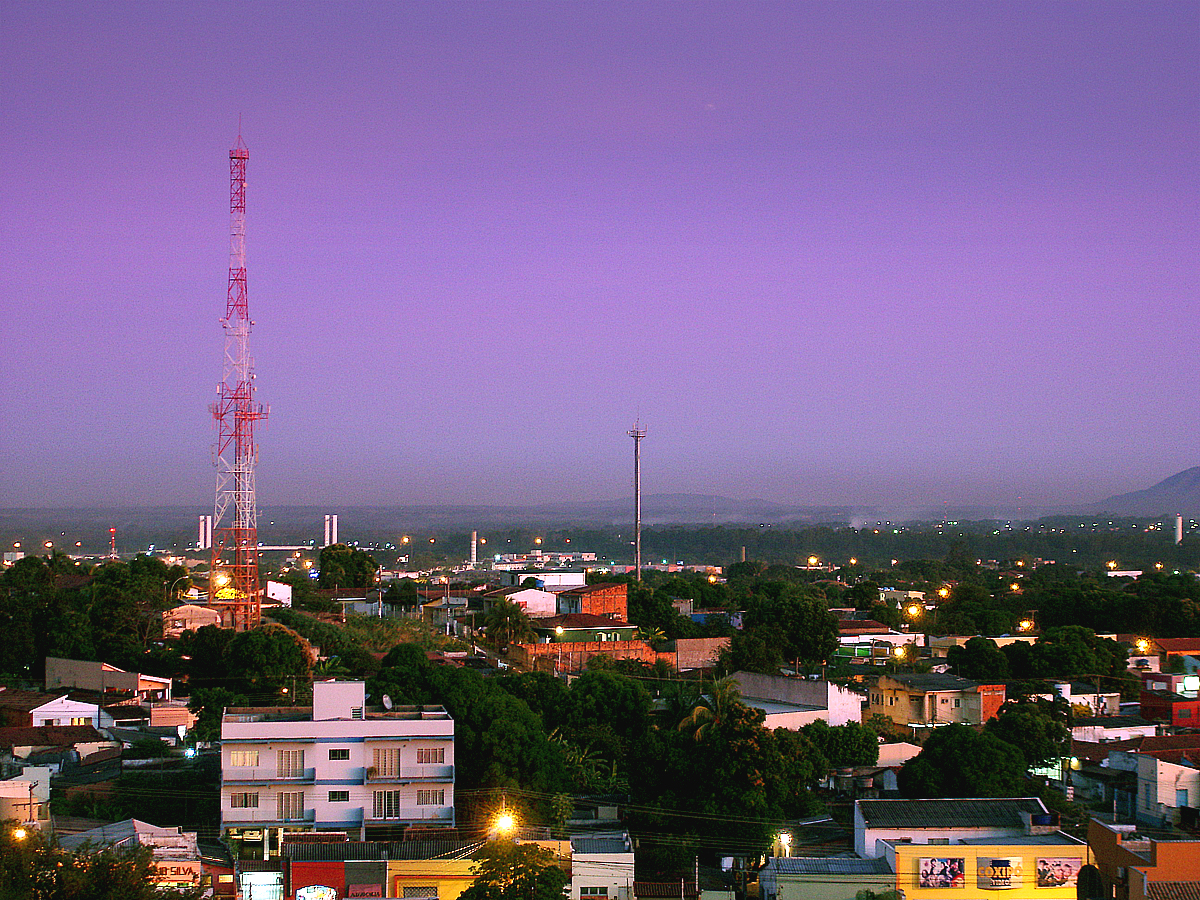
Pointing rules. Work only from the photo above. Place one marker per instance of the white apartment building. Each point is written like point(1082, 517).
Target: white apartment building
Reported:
point(337, 766)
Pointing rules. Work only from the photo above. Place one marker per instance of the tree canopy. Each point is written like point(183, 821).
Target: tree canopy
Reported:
point(506, 870)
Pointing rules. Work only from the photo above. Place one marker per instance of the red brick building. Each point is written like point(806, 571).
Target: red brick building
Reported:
point(608, 600)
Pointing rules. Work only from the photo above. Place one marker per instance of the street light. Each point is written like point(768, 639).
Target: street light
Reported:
point(558, 631)
point(167, 592)
point(504, 823)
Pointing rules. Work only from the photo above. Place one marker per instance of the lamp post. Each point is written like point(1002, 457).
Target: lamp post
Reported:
point(168, 591)
point(558, 633)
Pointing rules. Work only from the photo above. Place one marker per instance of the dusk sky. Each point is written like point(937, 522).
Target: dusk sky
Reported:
point(828, 253)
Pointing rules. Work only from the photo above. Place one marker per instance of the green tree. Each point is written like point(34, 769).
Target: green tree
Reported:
point(209, 705)
point(958, 761)
point(979, 659)
point(506, 870)
point(507, 623)
point(715, 706)
point(343, 566)
point(1035, 727)
point(851, 744)
point(270, 658)
point(34, 867)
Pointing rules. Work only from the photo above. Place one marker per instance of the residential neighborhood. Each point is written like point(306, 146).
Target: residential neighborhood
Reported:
point(403, 737)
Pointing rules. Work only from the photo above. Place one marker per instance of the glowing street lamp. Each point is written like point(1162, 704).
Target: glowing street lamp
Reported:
point(1143, 645)
point(944, 592)
point(785, 842)
point(504, 823)
point(812, 561)
point(898, 652)
point(1025, 624)
point(1112, 564)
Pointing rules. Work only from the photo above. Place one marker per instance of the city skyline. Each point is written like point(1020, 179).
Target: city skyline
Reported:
point(835, 254)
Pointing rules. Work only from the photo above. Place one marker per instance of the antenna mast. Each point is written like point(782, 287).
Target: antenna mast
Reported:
point(234, 573)
point(637, 433)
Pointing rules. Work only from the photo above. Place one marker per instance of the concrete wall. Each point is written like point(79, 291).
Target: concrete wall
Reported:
point(1158, 787)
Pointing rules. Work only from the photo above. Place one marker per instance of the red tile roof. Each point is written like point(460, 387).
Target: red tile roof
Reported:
point(1179, 645)
point(26, 700)
point(581, 620)
point(49, 736)
point(1173, 890)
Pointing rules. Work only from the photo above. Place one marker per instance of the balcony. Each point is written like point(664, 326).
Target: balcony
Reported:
point(265, 774)
point(433, 814)
point(429, 772)
point(266, 814)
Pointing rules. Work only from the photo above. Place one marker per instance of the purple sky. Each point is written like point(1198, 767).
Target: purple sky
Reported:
point(828, 252)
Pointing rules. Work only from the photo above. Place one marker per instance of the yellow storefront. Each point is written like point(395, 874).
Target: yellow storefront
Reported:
point(1037, 869)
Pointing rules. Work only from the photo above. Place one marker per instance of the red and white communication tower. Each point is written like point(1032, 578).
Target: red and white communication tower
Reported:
point(234, 570)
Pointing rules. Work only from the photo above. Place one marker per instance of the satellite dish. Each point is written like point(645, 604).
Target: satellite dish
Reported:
point(387, 702)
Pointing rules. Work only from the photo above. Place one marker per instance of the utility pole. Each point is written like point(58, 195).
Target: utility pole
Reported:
point(637, 433)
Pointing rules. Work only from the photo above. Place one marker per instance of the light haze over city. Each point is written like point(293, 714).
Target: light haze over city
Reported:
point(826, 253)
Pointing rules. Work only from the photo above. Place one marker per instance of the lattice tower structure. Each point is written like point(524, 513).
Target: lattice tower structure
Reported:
point(235, 584)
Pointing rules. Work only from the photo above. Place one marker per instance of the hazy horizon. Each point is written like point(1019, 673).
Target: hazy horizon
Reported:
point(828, 254)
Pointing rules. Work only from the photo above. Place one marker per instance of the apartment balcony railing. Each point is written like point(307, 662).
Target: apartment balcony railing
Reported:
point(412, 814)
point(243, 774)
point(409, 773)
point(267, 814)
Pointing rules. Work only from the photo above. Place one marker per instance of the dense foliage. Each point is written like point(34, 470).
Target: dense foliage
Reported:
point(506, 870)
point(34, 867)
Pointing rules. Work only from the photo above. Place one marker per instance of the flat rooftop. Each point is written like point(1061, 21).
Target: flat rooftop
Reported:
point(305, 713)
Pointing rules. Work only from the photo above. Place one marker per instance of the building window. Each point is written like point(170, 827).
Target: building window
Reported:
point(340, 753)
point(339, 796)
point(431, 798)
point(421, 891)
point(431, 755)
point(243, 801)
point(386, 762)
point(291, 763)
point(242, 758)
point(586, 891)
point(957, 703)
point(81, 720)
point(386, 805)
point(291, 806)
point(356, 712)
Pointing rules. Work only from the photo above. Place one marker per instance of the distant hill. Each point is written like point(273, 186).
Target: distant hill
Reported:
point(1177, 494)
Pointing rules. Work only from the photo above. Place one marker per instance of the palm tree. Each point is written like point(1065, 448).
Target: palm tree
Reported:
point(651, 634)
point(713, 708)
point(506, 622)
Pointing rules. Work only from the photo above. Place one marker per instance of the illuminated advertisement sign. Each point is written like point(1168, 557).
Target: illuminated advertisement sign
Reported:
point(316, 892)
point(1058, 871)
point(941, 872)
point(999, 874)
